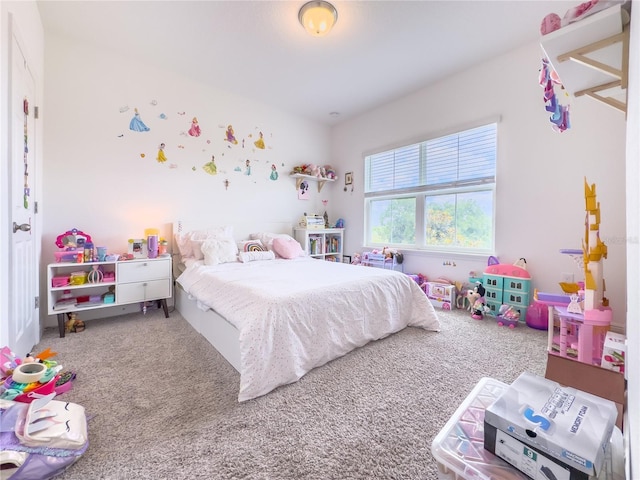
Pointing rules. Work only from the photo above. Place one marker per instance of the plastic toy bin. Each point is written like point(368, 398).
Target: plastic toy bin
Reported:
point(459, 446)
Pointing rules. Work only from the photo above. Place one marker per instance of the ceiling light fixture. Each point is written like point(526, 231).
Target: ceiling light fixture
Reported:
point(318, 17)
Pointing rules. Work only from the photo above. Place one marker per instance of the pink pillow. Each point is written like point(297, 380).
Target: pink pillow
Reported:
point(287, 248)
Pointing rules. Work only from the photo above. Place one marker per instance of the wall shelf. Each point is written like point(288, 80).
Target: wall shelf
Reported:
point(591, 56)
point(301, 177)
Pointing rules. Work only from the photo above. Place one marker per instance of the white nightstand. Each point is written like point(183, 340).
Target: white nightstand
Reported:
point(139, 280)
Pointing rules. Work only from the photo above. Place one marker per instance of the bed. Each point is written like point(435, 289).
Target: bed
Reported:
point(274, 319)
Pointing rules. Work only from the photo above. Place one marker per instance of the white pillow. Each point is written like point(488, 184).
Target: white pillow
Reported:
point(183, 240)
point(267, 238)
point(245, 257)
point(219, 250)
point(196, 249)
point(251, 246)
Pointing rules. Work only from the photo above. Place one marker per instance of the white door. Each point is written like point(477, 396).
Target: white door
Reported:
point(24, 327)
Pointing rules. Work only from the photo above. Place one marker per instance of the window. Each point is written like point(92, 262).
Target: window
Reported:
point(434, 195)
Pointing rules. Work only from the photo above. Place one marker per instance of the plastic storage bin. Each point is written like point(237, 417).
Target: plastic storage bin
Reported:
point(459, 447)
point(69, 256)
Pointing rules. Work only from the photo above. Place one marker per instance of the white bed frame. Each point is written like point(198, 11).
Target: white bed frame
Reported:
point(224, 337)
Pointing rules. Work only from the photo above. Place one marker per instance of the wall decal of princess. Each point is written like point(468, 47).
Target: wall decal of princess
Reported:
point(260, 142)
point(247, 170)
point(230, 136)
point(136, 124)
point(274, 172)
point(161, 158)
point(194, 131)
point(210, 167)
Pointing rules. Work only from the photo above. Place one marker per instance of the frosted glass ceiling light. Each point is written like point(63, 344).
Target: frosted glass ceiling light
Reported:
point(318, 17)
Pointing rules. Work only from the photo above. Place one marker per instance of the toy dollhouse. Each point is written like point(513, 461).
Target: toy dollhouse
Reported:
point(507, 285)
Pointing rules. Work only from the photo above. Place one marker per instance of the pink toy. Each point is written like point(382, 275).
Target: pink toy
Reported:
point(559, 113)
point(508, 316)
point(550, 23)
point(478, 308)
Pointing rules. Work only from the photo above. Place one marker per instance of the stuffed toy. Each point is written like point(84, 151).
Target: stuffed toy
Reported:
point(478, 307)
point(74, 324)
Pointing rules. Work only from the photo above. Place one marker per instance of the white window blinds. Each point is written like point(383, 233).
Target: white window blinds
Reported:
point(464, 158)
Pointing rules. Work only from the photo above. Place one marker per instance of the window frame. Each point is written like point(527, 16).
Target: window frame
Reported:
point(421, 193)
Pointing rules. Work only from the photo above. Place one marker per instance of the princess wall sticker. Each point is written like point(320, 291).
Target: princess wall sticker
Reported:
point(230, 135)
point(210, 167)
point(161, 157)
point(136, 124)
point(260, 142)
point(194, 131)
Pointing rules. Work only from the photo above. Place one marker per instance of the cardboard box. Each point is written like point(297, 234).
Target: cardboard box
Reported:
point(527, 459)
point(567, 425)
point(613, 352)
point(441, 295)
point(589, 378)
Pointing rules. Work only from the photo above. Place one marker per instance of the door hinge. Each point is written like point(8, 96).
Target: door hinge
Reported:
point(36, 112)
point(37, 302)
point(35, 207)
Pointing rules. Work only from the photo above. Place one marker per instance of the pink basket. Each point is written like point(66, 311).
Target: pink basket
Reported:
point(60, 281)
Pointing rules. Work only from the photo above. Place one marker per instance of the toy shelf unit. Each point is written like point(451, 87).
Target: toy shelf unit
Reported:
point(323, 244)
point(380, 260)
point(72, 287)
point(507, 284)
point(591, 56)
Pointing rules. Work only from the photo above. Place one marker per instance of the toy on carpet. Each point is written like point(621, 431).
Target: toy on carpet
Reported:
point(31, 377)
point(462, 296)
point(42, 439)
point(74, 324)
point(508, 316)
point(478, 308)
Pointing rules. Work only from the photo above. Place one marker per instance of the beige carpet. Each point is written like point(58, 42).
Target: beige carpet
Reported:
point(163, 403)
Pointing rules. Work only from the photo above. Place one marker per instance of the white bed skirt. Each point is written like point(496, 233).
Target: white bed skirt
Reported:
point(218, 331)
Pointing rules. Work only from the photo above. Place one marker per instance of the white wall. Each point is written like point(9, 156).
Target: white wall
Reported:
point(97, 181)
point(540, 192)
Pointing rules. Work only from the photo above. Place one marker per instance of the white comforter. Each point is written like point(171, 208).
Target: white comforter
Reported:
point(295, 315)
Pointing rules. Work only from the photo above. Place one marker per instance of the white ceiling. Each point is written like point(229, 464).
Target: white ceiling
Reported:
point(377, 52)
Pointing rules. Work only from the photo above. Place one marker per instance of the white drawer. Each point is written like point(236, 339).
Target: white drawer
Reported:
point(143, 270)
point(142, 291)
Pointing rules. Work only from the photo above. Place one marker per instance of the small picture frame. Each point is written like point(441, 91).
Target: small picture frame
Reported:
point(348, 178)
point(138, 248)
